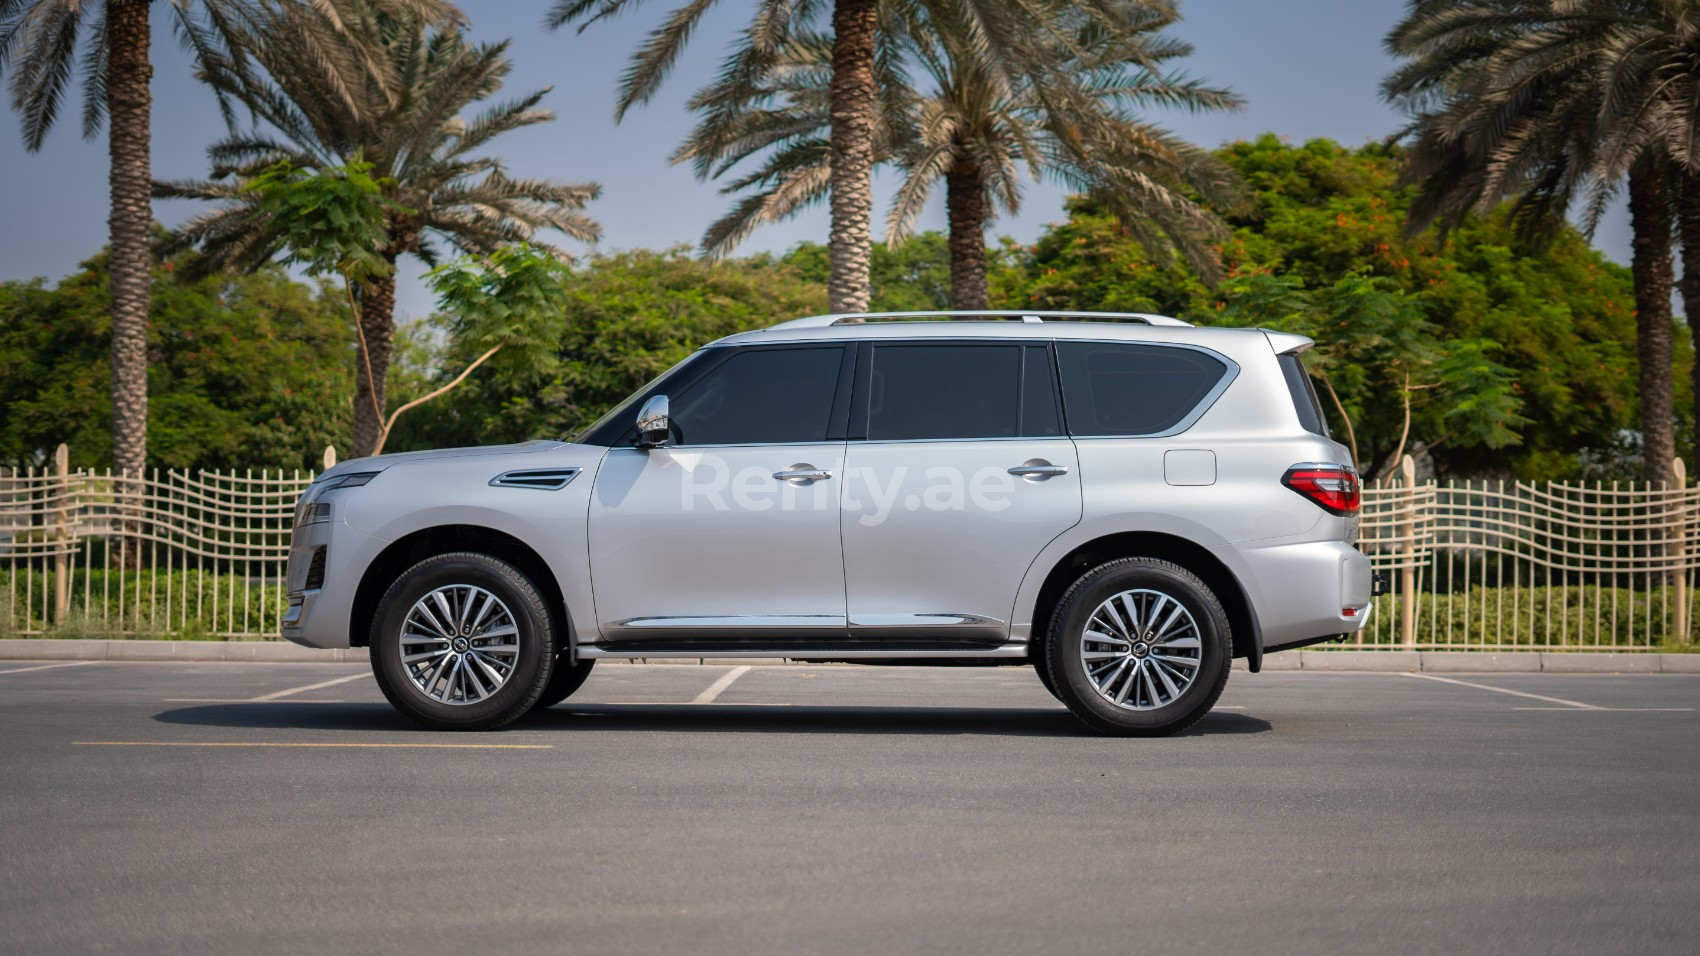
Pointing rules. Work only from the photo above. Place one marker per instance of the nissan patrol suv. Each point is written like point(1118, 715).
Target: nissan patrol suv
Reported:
point(1122, 502)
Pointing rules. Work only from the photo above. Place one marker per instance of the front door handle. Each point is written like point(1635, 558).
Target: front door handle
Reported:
point(803, 474)
point(1038, 469)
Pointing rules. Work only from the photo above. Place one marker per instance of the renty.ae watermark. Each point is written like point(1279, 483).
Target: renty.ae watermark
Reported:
point(873, 494)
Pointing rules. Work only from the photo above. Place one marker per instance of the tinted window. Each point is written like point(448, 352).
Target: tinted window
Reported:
point(760, 397)
point(1039, 418)
point(944, 391)
point(1304, 395)
point(1124, 389)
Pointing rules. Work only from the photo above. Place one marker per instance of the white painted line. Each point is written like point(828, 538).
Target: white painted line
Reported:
point(1515, 693)
point(237, 700)
point(1615, 710)
point(42, 667)
point(303, 690)
point(725, 681)
point(267, 743)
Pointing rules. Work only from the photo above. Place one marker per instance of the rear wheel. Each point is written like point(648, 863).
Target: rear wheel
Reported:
point(463, 641)
point(1041, 666)
point(1139, 647)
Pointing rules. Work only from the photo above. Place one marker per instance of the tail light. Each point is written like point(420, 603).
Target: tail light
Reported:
point(1333, 488)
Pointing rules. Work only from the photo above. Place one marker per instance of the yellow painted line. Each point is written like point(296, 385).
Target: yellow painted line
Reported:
point(232, 743)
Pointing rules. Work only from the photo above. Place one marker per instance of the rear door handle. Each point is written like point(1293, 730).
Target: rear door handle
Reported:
point(802, 474)
point(1038, 469)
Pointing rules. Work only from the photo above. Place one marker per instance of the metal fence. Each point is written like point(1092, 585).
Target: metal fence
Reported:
point(1472, 565)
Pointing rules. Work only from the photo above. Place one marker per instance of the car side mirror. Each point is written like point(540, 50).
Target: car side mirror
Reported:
point(653, 423)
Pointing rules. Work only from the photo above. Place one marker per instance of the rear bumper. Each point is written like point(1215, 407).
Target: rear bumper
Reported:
point(1303, 593)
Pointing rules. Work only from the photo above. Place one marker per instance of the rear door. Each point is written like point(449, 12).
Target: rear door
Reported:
point(957, 474)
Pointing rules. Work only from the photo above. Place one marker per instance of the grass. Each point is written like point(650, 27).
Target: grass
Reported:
point(154, 604)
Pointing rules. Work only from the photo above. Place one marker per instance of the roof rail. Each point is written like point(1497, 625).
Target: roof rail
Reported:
point(979, 315)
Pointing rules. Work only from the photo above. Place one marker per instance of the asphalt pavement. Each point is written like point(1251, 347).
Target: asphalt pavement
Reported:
point(261, 808)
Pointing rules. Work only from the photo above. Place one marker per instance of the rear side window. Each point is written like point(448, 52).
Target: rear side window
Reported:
point(944, 391)
point(765, 396)
point(1112, 388)
point(1303, 392)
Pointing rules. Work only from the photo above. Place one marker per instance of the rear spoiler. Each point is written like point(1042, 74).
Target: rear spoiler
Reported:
point(1286, 343)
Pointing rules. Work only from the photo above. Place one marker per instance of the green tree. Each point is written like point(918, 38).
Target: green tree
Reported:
point(628, 317)
point(1399, 375)
point(48, 42)
point(245, 372)
point(1562, 314)
point(408, 125)
point(955, 115)
point(1549, 102)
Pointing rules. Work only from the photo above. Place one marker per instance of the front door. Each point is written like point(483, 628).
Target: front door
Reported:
point(962, 478)
point(728, 535)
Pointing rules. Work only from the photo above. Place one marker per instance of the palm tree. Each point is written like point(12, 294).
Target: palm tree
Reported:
point(1554, 102)
point(1061, 106)
point(409, 127)
point(852, 89)
point(48, 42)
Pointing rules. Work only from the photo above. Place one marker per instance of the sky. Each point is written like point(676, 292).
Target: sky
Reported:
point(1306, 68)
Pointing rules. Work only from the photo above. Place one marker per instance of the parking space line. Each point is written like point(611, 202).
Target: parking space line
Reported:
point(302, 690)
point(338, 746)
point(42, 667)
point(1615, 710)
point(725, 681)
point(1576, 705)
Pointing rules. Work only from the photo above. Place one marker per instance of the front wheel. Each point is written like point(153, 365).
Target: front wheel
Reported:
point(563, 682)
point(463, 642)
point(1139, 647)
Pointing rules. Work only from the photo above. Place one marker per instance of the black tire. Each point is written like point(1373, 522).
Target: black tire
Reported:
point(563, 682)
point(1041, 666)
point(1148, 579)
point(534, 634)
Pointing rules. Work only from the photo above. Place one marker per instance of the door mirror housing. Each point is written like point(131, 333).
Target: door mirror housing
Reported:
point(654, 424)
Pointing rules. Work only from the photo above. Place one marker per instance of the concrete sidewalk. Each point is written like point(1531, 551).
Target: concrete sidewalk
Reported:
point(1441, 662)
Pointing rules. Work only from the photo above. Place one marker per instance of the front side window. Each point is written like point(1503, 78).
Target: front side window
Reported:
point(1113, 388)
point(763, 396)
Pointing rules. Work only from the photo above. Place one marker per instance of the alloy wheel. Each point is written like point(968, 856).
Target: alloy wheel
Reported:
point(459, 644)
point(1141, 649)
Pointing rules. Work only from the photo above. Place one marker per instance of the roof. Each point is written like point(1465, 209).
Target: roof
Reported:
point(1010, 324)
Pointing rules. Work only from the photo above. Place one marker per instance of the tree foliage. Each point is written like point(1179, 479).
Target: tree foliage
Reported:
point(627, 317)
point(1562, 314)
point(245, 372)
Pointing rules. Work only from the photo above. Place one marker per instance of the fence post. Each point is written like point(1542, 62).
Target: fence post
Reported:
point(1678, 548)
point(1408, 551)
point(62, 557)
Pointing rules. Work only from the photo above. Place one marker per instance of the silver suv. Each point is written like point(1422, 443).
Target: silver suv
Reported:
point(1122, 502)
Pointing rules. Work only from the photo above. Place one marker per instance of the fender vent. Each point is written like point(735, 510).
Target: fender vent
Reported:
point(542, 479)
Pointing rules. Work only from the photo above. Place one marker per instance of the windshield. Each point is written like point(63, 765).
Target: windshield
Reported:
point(614, 422)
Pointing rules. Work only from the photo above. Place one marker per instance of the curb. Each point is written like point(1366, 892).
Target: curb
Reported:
point(1439, 662)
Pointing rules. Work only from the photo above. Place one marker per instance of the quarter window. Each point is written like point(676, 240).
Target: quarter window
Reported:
point(763, 396)
point(1126, 389)
point(1305, 402)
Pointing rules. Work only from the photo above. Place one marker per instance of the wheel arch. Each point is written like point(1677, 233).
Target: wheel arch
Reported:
point(1242, 619)
point(410, 549)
